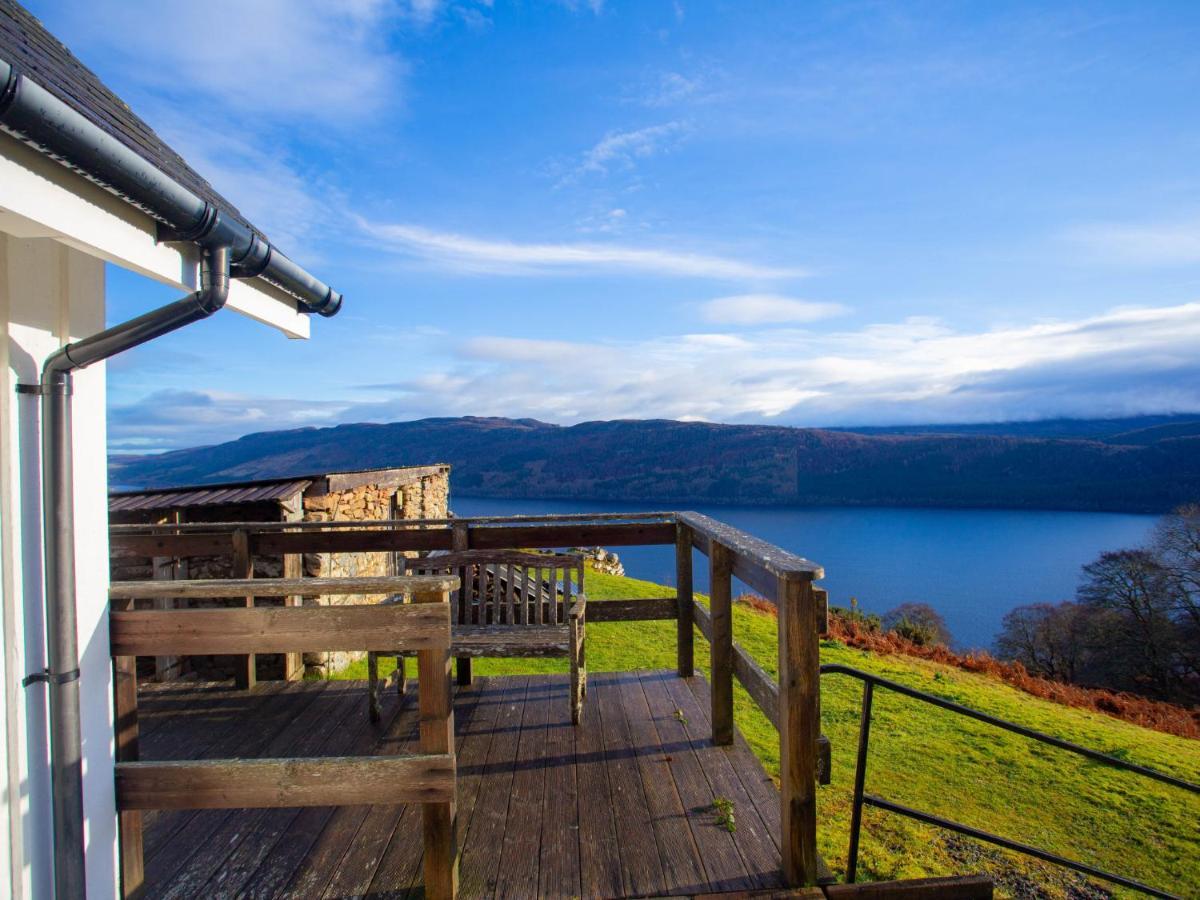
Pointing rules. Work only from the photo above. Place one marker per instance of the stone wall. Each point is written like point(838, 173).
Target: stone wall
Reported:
point(424, 498)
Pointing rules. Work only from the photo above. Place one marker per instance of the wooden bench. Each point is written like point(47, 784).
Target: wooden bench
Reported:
point(510, 604)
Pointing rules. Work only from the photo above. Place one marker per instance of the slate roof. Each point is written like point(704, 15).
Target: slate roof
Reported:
point(41, 57)
point(235, 491)
point(249, 492)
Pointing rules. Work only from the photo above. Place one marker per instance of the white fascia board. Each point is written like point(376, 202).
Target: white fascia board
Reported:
point(41, 198)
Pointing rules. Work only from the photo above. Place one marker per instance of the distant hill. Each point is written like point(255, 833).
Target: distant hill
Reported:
point(1145, 465)
point(1108, 430)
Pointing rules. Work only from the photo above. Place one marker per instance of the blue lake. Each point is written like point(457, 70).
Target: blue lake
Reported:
point(971, 565)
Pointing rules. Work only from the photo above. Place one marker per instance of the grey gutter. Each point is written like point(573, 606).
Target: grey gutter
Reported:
point(37, 117)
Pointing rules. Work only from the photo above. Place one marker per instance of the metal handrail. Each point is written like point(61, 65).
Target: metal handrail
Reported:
point(861, 798)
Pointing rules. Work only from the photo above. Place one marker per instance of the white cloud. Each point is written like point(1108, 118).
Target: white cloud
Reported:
point(1153, 244)
point(766, 309)
point(463, 252)
point(1124, 362)
point(277, 59)
point(596, 7)
point(669, 89)
point(623, 148)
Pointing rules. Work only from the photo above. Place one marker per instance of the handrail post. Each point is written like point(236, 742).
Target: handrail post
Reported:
point(246, 672)
point(686, 640)
point(460, 539)
point(720, 576)
point(860, 777)
point(125, 715)
point(437, 736)
point(799, 727)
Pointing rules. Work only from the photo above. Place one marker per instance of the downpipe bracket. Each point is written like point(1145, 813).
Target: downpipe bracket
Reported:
point(61, 386)
point(46, 677)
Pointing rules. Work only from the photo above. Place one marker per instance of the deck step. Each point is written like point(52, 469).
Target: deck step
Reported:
point(955, 887)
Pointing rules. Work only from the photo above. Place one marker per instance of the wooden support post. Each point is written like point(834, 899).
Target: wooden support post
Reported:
point(799, 727)
point(129, 823)
point(720, 574)
point(437, 736)
point(293, 663)
point(822, 597)
point(246, 674)
point(685, 649)
point(164, 569)
point(462, 541)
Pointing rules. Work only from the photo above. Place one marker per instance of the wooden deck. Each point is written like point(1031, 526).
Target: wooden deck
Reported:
point(620, 806)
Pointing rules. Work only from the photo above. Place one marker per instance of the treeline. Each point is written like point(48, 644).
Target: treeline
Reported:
point(1134, 625)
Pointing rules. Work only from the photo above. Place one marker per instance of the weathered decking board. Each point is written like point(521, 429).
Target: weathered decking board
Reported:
point(619, 806)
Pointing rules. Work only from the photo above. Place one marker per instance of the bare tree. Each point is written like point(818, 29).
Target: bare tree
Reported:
point(1134, 586)
point(1049, 640)
point(1177, 548)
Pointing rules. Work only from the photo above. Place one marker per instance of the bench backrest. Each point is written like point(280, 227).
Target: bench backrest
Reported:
point(508, 587)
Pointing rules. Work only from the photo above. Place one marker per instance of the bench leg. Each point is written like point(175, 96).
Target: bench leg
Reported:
point(578, 672)
point(373, 712)
point(464, 671)
point(401, 676)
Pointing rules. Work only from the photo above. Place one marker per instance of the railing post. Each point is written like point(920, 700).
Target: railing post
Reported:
point(293, 663)
point(437, 736)
point(720, 576)
point(799, 727)
point(245, 674)
point(860, 778)
point(461, 540)
point(686, 640)
point(125, 717)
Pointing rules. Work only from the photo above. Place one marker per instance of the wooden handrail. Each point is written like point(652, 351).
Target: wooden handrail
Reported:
point(278, 587)
point(291, 782)
point(367, 537)
point(278, 629)
point(263, 527)
point(755, 561)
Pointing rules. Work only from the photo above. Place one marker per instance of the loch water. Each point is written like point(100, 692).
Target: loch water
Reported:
point(972, 565)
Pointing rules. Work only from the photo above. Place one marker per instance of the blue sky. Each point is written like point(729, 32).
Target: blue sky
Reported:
point(794, 213)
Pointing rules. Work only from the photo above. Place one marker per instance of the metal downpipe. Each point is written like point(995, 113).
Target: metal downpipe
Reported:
point(58, 523)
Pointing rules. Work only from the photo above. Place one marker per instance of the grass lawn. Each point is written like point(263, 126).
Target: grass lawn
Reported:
point(948, 765)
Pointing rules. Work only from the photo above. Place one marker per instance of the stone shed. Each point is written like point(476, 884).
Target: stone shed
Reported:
point(407, 492)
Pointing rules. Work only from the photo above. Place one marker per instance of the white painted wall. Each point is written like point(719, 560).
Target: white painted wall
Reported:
point(49, 294)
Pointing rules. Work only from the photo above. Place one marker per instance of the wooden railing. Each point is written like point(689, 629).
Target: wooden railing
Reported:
point(791, 703)
point(427, 778)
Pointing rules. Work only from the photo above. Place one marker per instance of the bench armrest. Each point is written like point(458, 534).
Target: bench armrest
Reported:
point(578, 607)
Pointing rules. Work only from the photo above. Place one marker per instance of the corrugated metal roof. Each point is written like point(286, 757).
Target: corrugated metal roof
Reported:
point(211, 496)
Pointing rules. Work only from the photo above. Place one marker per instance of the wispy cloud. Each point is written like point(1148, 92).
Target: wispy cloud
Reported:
point(766, 309)
point(480, 255)
point(174, 418)
point(1175, 243)
point(670, 89)
point(596, 7)
point(622, 149)
point(1124, 362)
point(273, 59)
point(913, 370)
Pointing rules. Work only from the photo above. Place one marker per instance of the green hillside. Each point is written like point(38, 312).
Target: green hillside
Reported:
point(951, 766)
